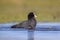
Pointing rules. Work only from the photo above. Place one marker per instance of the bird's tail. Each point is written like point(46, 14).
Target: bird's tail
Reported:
point(14, 26)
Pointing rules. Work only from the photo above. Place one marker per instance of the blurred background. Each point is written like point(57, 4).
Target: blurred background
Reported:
point(17, 10)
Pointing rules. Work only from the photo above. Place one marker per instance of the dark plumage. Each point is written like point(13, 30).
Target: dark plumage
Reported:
point(28, 24)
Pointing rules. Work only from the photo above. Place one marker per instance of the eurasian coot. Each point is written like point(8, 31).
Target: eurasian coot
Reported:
point(28, 24)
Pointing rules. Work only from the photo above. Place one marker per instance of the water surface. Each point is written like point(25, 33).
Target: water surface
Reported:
point(43, 31)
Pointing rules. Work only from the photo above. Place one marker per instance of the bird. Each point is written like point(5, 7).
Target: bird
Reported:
point(30, 23)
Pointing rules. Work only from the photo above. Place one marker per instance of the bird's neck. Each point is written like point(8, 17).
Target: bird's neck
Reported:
point(31, 18)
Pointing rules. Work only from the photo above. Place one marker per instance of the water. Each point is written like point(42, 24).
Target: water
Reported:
point(43, 31)
point(47, 35)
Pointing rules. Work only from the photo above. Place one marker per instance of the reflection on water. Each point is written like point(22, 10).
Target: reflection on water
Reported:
point(24, 35)
point(30, 34)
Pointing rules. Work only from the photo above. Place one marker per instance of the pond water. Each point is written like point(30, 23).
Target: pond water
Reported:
point(43, 31)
